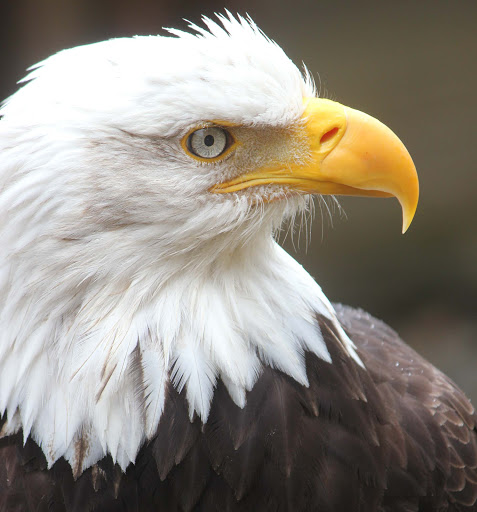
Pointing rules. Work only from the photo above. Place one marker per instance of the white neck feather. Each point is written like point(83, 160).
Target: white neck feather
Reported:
point(78, 374)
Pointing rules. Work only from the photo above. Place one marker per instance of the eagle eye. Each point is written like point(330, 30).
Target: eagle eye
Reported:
point(209, 143)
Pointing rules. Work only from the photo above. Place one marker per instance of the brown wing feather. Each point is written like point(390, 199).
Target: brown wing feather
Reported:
point(398, 436)
point(437, 417)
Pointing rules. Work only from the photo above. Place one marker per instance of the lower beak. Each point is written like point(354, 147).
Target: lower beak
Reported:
point(349, 153)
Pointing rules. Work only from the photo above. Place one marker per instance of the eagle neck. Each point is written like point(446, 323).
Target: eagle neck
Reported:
point(115, 355)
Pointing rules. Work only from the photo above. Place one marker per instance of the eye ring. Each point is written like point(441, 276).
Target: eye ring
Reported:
point(208, 144)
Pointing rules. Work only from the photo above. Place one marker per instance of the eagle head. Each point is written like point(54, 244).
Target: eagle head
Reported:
point(141, 182)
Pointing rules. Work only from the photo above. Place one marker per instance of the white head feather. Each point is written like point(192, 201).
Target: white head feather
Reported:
point(119, 270)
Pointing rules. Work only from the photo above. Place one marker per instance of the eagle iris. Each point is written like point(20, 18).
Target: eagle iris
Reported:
point(208, 142)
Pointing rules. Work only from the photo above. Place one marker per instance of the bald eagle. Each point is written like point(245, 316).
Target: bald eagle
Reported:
point(159, 351)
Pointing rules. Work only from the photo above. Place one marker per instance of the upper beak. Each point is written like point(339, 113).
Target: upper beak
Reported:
point(349, 153)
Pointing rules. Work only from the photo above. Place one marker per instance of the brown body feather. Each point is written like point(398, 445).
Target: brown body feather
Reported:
point(398, 436)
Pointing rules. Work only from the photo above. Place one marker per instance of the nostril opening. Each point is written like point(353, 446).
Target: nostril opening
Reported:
point(329, 135)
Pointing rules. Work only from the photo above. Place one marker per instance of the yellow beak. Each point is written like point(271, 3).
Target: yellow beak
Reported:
point(349, 153)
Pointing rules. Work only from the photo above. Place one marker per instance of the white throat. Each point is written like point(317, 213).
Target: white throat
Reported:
point(99, 376)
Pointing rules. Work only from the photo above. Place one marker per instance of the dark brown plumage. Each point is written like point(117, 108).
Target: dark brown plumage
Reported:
point(398, 436)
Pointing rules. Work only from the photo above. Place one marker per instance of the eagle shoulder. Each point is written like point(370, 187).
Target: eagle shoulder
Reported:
point(434, 424)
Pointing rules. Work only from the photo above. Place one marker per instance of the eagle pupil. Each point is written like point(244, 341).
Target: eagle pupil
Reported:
point(209, 140)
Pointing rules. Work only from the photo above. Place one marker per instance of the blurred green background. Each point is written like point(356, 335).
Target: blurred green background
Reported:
point(411, 64)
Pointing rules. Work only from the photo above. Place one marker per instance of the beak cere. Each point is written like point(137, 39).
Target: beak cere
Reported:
point(349, 153)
